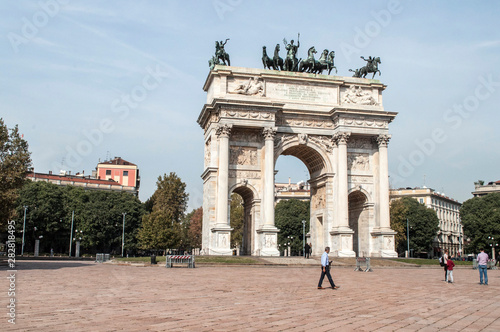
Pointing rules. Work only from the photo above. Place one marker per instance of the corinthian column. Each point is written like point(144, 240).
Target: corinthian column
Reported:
point(223, 132)
point(268, 199)
point(343, 203)
point(384, 217)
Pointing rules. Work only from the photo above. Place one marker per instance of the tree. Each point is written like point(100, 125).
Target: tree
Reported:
point(161, 228)
point(98, 217)
point(423, 224)
point(15, 162)
point(195, 227)
point(236, 219)
point(481, 218)
point(288, 217)
point(45, 216)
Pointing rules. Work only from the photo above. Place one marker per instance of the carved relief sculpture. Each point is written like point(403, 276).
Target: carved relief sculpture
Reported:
point(356, 95)
point(207, 153)
point(254, 86)
point(358, 162)
point(239, 155)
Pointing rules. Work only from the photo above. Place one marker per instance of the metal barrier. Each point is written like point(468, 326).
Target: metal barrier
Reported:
point(365, 261)
point(101, 258)
point(492, 264)
point(189, 259)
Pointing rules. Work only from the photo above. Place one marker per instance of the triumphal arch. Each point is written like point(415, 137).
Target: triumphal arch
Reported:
point(336, 126)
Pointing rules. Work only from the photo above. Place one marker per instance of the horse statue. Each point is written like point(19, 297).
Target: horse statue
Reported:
point(277, 61)
point(266, 61)
point(309, 63)
point(371, 67)
point(220, 52)
point(325, 62)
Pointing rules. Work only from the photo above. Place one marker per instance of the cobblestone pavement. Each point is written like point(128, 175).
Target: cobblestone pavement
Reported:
point(85, 296)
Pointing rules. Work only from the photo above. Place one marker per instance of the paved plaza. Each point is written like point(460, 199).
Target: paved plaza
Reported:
point(86, 296)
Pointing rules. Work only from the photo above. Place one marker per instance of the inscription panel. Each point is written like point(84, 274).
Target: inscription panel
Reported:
point(304, 93)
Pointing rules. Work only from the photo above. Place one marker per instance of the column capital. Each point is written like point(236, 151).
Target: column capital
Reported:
point(382, 140)
point(224, 130)
point(341, 137)
point(269, 133)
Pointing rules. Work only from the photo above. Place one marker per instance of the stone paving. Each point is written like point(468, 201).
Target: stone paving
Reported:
point(85, 296)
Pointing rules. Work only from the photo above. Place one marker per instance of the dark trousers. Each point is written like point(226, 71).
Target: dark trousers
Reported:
point(327, 273)
point(446, 272)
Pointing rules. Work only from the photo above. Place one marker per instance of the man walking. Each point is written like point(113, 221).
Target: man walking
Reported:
point(482, 264)
point(325, 269)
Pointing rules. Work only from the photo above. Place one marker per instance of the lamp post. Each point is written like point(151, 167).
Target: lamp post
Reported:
point(123, 234)
point(492, 245)
point(408, 237)
point(24, 229)
point(304, 237)
point(71, 232)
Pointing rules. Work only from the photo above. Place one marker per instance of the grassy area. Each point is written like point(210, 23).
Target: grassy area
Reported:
point(198, 259)
point(422, 261)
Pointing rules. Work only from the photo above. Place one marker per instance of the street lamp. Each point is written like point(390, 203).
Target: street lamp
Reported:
point(24, 229)
point(492, 245)
point(71, 232)
point(123, 234)
point(408, 237)
point(304, 237)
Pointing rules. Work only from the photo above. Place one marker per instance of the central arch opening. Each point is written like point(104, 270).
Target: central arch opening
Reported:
point(304, 165)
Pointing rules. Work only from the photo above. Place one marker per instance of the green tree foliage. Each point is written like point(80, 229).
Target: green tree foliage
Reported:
point(288, 217)
point(481, 218)
point(399, 212)
point(162, 227)
point(97, 217)
point(423, 223)
point(195, 227)
point(15, 162)
point(236, 216)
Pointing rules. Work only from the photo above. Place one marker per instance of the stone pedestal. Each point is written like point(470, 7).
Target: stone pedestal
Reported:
point(37, 248)
point(221, 237)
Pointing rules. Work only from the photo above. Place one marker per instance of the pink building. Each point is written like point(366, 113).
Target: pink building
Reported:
point(121, 171)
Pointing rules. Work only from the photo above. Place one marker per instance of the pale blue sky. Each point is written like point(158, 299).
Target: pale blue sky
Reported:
point(66, 67)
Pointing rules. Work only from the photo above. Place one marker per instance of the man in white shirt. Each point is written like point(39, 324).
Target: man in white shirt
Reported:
point(325, 269)
point(482, 264)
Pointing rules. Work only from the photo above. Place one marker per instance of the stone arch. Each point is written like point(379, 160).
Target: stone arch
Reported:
point(314, 156)
point(251, 208)
point(359, 222)
point(317, 161)
point(369, 198)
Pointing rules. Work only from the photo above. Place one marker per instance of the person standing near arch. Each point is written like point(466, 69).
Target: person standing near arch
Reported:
point(325, 270)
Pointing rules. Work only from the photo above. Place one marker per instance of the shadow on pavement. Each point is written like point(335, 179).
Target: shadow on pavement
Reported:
point(46, 265)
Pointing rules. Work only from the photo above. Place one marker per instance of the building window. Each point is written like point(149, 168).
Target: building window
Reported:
point(108, 172)
point(422, 200)
point(125, 173)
